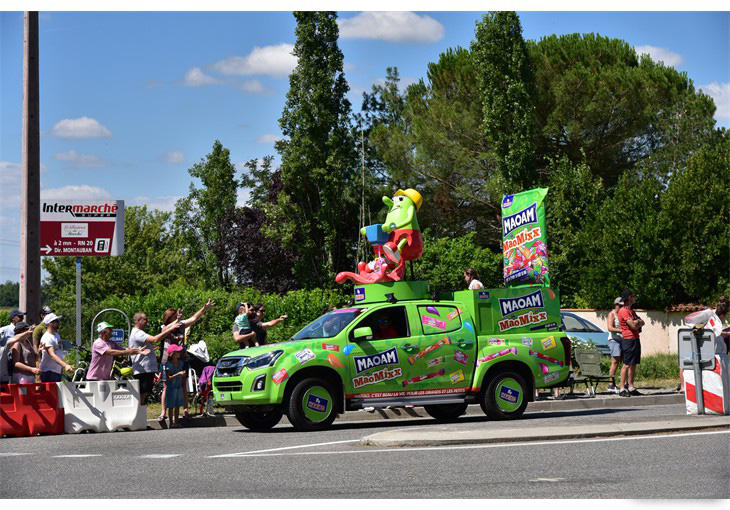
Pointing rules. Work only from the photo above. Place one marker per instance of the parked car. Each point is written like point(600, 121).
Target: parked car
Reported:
point(580, 328)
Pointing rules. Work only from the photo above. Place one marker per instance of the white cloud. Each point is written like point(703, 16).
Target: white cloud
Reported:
point(83, 127)
point(669, 58)
point(80, 160)
point(276, 61)
point(153, 84)
point(268, 138)
point(195, 77)
point(720, 93)
point(10, 175)
point(252, 86)
point(166, 203)
point(392, 26)
point(174, 157)
point(81, 191)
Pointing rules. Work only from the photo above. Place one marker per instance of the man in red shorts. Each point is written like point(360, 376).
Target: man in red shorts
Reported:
point(630, 344)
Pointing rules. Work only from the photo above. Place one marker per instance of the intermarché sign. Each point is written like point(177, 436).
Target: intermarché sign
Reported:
point(77, 228)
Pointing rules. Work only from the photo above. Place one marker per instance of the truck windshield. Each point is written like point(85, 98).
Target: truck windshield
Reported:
point(329, 325)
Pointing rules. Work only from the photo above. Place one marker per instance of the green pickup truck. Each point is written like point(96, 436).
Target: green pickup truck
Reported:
point(400, 345)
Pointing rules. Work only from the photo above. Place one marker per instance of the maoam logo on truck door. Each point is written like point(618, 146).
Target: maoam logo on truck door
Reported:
point(389, 357)
point(509, 306)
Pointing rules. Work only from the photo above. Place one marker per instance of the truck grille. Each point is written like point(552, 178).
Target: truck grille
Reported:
point(228, 386)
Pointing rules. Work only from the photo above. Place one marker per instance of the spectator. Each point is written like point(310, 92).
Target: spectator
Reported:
point(177, 337)
point(52, 364)
point(37, 334)
point(103, 351)
point(242, 332)
point(173, 373)
point(631, 326)
point(260, 327)
point(144, 366)
point(472, 278)
point(24, 355)
point(385, 328)
point(7, 340)
point(614, 342)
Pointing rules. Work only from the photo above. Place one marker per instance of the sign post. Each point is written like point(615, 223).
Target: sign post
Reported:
point(81, 228)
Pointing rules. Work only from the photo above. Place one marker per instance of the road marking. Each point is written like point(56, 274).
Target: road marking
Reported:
point(547, 479)
point(242, 454)
point(263, 453)
point(77, 455)
point(13, 454)
point(160, 456)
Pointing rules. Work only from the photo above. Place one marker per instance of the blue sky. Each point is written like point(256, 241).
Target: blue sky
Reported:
point(131, 100)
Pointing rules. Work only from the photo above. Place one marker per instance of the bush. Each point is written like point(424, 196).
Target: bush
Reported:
point(658, 366)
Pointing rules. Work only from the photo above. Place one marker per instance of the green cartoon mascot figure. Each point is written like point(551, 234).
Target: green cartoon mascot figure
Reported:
point(405, 241)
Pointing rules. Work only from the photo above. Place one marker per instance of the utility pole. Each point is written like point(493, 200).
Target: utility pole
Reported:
point(30, 221)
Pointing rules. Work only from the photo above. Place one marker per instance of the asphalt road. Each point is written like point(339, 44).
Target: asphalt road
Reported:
point(232, 462)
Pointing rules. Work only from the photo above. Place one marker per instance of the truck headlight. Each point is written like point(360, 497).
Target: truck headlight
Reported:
point(265, 360)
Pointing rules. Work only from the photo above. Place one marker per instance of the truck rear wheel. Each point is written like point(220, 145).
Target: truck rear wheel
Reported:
point(505, 397)
point(258, 417)
point(446, 412)
point(311, 405)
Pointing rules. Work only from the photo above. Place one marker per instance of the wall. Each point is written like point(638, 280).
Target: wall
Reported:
point(659, 334)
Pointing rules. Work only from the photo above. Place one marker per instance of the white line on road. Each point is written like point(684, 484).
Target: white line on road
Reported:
point(77, 455)
point(160, 455)
point(241, 454)
point(13, 454)
point(463, 447)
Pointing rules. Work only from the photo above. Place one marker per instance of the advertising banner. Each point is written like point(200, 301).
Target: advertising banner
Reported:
point(82, 228)
point(524, 238)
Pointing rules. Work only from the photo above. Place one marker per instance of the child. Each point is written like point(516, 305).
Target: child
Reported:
point(242, 324)
point(173, 373)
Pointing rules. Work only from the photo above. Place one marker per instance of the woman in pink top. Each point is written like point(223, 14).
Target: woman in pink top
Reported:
point(103, 351)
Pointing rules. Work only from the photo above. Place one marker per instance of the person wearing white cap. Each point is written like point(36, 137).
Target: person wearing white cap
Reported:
point(103, 351)
point(614, 342)
point(52, 364)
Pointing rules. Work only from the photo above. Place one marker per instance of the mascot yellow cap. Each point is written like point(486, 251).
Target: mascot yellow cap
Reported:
point(414, 195)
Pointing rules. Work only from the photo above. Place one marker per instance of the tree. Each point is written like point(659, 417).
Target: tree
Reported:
point(199, 216)
point(597, 102)
point(9, 292)
point(434, 145)
point(316, 213)
point(573, 198)
point(507, 91)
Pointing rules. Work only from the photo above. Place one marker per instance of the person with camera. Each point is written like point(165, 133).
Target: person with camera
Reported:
point(631, 325)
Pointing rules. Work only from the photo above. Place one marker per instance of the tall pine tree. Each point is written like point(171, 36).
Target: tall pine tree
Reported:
point(317, 211)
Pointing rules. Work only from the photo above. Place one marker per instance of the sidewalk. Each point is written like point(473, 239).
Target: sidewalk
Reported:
point(576, 402)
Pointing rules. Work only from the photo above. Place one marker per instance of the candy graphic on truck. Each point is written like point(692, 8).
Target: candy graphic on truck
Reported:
point(524, 238)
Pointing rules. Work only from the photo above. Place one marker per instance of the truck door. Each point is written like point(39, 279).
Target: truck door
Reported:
point(377, 364)
point(445, 361)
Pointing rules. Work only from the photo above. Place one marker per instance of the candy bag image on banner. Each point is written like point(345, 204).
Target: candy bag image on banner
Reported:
point(524, 238)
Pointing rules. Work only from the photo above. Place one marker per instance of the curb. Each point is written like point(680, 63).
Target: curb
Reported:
point(445, 437)
point(229, 420)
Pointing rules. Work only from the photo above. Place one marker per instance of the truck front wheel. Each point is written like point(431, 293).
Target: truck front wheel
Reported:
point(258, 417)
point(311, 405)
point(505, 397)
point(446, 412)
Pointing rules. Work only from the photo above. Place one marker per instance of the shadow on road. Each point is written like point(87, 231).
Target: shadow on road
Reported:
point(401, 423)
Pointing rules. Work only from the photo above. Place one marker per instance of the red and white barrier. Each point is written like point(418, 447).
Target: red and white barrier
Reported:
point(715, 388)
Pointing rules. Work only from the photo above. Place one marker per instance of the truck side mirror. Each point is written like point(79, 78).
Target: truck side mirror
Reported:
point(362, 333)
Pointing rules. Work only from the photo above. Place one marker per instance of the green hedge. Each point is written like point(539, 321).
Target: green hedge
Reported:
point(302, 306)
